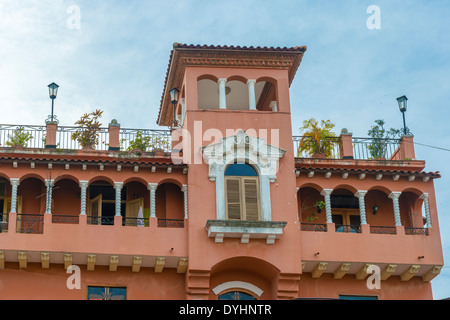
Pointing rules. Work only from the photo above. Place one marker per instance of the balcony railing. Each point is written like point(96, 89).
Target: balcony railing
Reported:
point(30, 223)
point(348, 228)
point(70, 219)
point(170, 223)
point(313, 227)
point(4, 222)
point(383, 230)
point(37, 136)
point(360, 148)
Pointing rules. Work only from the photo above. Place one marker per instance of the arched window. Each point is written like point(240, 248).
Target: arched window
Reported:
point(236, 295)
point(242, 193)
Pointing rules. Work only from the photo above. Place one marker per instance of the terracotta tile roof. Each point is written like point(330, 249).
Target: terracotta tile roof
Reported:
point(74, 158)
point(432, 175)
point(181, 46)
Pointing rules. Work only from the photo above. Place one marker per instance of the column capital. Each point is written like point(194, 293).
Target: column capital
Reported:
point(118, 185)
point(424, 196)
point(14, 181)
point(49, 182)
point(326, 192)
point(84, 184)
point(394, 195)
point(251, 81)
point(222, 80)
point(152, 186)
point(184, 188)
point(360, 193)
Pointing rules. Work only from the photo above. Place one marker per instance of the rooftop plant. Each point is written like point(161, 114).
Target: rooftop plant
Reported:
point(19, 138)
point(380, 139)
point(316, 138)
point(89, 127)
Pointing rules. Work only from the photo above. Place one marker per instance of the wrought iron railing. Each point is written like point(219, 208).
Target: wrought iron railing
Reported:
point(416, 231)
point(69, 219)
point(33, 136)
point(135, 222)
point(4, 218)
point(170, 223)
point(383, 230)
point(348, 228)
point(104, 221)
point(30, 223)
point(375, 149)
point(313, 227)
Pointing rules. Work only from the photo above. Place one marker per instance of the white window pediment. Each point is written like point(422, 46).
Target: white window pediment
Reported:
point(242, 148)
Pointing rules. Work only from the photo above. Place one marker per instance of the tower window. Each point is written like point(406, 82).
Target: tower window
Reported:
point(242, 193)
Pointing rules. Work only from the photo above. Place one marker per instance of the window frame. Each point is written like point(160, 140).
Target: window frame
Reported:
point(242, 197)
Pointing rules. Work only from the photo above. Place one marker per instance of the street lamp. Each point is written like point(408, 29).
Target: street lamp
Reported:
point(174, 99)
point(402, 104)
point(53, 91)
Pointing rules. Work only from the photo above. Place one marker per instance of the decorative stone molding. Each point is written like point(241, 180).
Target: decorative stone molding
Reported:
point(426, 205)
point(91, 262)
point(45, 260)
point(362, 205)
point(319, 269)
point(410, 272)
point(159, 264)
point(395, 196)
point(244, 149)
point(342, 270)
point(22, 257)
point(152, 187)
point(326, 193)
point(362, 273)
point(388, 271)
point(118, 186)
point(182, 265)
point(83, 185)
point(245, 230)
point(113, 263)
point(237, 285)
point(14, 185)
point(67, 260)
point(433, 273)
point(136, 266)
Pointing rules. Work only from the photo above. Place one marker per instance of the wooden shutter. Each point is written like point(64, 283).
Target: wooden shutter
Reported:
point(95, 209)
point(251, 199)
point(132, 210)
point(233, 198)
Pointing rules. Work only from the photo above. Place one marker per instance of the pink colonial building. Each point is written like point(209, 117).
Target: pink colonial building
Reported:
point(226, 209)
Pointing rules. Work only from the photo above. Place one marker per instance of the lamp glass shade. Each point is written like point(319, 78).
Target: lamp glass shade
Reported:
point(53, 90)
point(174, 95)
point(402, 103)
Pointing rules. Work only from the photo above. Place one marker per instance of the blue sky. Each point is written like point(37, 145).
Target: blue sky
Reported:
point(351, 75)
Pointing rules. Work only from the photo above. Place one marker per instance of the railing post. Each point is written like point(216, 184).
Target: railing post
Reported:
point(50, 138)
point(407, 151)
point(114, 135)
point(346, 145)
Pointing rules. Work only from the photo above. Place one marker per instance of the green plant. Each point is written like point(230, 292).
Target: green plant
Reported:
point(380, 138)
point(145, 143)
point(318, 206)
point(317, 138)
point(89, 126)
point(19, 138)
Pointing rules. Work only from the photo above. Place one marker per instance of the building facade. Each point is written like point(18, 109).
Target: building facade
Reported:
point(221, 206)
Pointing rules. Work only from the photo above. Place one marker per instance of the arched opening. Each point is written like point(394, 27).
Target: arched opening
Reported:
point(5, 203)
point(243, 277)
point(137, 205)
point(31, 203)
point(411, 213)
point(379, 211)
point(237, 94)
point(311, 209)
point(66, 201)
point(208, 92)
point(169, 205)
point(266, 94)
point(242, 199)
point(345, 211)
point(102, 202)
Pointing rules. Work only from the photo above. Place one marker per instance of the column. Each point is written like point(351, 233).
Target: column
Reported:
point(83, 186)
point(48, 201)
point(251, 94)
point(362, 206)
point(426, 205)
point(222, 94)
point(14, 185)
point(152, 187)
point(118, 186)
point(327, 195)
point(184, 190)
point(394, 196)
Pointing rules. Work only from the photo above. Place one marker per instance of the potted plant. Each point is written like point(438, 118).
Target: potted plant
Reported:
point(19, 138)
point(317, 139)
point(380, 138)
point(145, 143)
point(89, 127)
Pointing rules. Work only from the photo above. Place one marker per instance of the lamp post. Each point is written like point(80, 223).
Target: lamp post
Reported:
point(174, 99)
point(402, 104)
point(53, 91)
